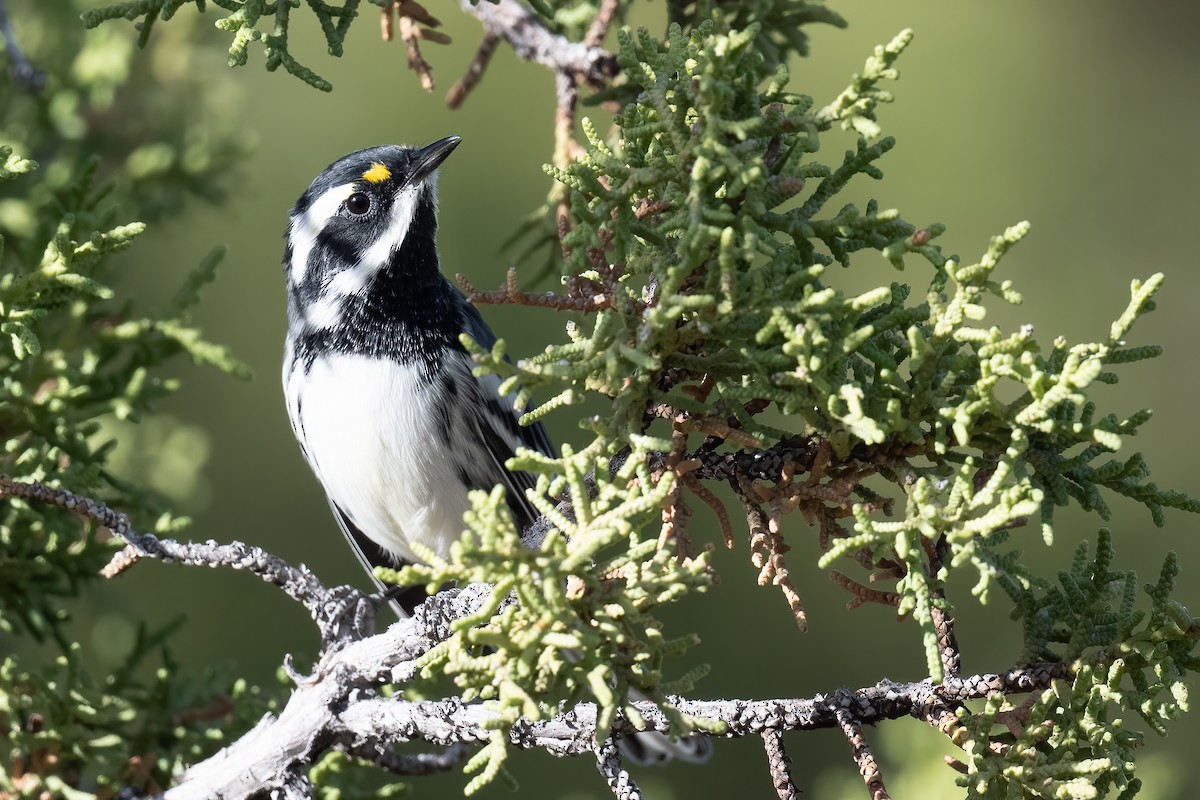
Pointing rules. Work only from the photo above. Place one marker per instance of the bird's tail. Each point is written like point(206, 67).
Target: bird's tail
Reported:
point(655, 749)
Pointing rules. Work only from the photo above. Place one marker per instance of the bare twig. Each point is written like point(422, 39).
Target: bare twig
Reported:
point(220, 707)
point(601, 22)
point(328, 606)
point(608, 761)
point(566, 92)
point(780, 766)
point(410, 764)
point(410, 32)
point(571, 732)
point(509, 294)
point(470, 79)
point(416, 25)
point(868, 767)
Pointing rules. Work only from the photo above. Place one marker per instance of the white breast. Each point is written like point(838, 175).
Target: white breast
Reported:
point(371, 430)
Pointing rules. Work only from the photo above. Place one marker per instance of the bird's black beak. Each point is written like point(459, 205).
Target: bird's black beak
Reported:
point(427, 159)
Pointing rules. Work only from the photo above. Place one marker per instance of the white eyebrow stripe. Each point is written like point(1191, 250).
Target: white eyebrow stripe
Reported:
point(309, 224)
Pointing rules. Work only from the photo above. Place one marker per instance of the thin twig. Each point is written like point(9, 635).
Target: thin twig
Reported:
point(766, 552)
point(868, 767)
point(327, 606)
point(566, 92)
point(411, 764)
point(943, 621)
point(470, 79)
point(410, 33)
point(863, 594)
point(608, 761)
point(509, 294)
point(713, 502)
point(416, 25)
point(713, 426)
point(780, 766)
point(601, 22)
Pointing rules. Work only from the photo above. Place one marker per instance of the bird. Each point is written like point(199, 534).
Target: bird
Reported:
point(379, 388)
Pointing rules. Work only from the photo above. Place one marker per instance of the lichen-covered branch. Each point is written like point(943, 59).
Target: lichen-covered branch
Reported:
point(326, 605)
point(338, 706)
point(531, 40)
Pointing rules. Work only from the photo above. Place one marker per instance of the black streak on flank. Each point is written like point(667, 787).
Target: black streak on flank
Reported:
point(463, 477)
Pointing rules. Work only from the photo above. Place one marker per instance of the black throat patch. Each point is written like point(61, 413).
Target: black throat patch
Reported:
point(409, 312)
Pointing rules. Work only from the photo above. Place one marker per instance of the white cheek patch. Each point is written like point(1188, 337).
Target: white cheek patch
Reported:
point(325, 312)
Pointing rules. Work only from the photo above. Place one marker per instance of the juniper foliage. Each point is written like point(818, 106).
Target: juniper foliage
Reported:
point(76, 354)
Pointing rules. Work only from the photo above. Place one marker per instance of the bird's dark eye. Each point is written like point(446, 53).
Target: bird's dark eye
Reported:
point(358, 204)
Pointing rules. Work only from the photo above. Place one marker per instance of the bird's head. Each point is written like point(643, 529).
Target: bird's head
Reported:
point(370, 211)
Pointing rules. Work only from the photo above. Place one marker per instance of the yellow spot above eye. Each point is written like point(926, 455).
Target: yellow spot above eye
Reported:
point(378, 173)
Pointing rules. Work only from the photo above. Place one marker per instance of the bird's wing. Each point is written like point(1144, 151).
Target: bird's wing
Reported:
point(500, 429)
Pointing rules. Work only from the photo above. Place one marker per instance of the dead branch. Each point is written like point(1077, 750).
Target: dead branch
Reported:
point(416, 25)
point(474, 74)
point(766, 552)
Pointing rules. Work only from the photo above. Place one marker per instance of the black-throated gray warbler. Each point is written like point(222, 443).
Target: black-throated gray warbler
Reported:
point(379, 387)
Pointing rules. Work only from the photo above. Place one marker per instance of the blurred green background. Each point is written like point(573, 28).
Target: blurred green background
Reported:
point(1079, 116)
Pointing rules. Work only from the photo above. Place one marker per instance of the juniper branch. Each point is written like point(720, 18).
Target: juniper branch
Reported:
point(338, 706)
point(620, 782)
point(780, 766)
point(868, 767)
point(329, 606)
point(533, 41)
